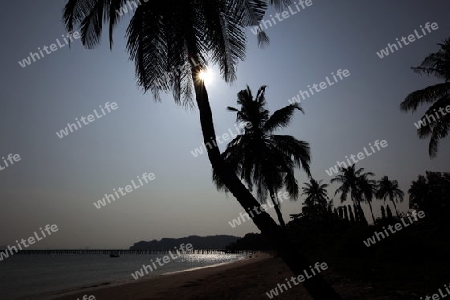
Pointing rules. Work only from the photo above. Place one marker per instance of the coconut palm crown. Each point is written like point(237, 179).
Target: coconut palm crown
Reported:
point(316, 193)
point(388, 189)
point(164, 39)
point(436, 120)
point(355, 183)
point(260, 157)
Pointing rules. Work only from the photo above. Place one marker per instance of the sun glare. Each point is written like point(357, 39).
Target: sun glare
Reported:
point(206, 76)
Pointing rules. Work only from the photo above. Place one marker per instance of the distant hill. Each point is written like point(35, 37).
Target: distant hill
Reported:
point(198, 242)
point(251, 241)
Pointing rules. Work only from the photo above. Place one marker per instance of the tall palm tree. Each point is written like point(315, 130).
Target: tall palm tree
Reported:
point(350, 180)
point(388, 189)
point(367, 189)
point(419, 192)
point(436, 120)
point(170, 43)
point(259, 156)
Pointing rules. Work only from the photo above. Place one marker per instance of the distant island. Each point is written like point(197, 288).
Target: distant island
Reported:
point(199, 242)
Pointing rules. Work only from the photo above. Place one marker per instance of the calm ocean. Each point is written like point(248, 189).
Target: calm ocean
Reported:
point(24, 275)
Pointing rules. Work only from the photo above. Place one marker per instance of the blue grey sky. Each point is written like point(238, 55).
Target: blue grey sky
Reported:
point(57, 180)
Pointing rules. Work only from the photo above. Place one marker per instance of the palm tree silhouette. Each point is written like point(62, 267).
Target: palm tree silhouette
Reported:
point(367, 189)
point(419, 192)
point(317, 206)
point(352, 182)
point(389, 189)
point(437, 125)
point(316, 193)
point(262, 158)
point(170, 43)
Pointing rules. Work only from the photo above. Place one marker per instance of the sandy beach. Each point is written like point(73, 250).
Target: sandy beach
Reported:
point(246, 279)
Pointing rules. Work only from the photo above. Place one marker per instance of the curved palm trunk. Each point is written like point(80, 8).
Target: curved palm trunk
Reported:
point(278, 210)
point(316, 286)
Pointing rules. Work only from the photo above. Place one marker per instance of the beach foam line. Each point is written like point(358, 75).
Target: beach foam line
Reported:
point(205, 267)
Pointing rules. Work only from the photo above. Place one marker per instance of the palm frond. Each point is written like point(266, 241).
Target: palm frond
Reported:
point(438, 63)
point(291, 185)
point(114, 8)
point(92, 25)
point(280, 4)
point(438, 128)
point(425, 131)
point(281, 118)
point(75, 11)
point(426, 95)
point(149, 50)
point(232, 109)
point(162, 39)
point(262, 37)
point(249, 12)
point(440, 131)
point(299, 151)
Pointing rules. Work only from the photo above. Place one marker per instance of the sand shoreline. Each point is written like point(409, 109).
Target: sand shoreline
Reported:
point(145, 286)
point(248, 279)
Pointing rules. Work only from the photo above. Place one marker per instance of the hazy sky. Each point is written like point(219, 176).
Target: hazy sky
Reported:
point(57, 180)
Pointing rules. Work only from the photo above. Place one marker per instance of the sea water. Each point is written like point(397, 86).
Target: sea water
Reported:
point(23, 275)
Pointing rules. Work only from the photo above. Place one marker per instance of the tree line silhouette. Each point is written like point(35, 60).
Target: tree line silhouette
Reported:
point(428, 193)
